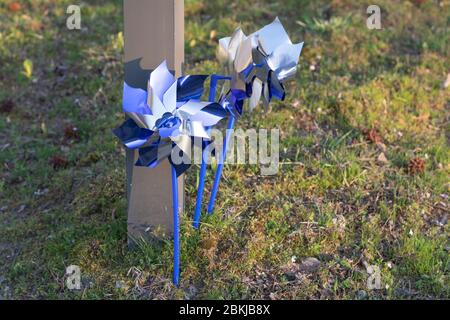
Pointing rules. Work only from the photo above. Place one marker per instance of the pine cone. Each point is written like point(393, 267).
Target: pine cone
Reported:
point(416, 166)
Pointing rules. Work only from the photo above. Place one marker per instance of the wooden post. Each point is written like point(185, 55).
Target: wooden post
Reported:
point(154, 31)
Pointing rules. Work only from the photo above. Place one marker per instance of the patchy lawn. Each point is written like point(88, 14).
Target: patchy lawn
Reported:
point(366, 121)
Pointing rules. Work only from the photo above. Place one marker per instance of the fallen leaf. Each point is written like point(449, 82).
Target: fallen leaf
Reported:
point(382, 147)
point(446, 82)
point(212, 34)
point(373, 136)
point(35, 25)
point(382, 158)
point(28, 68)
point(14, 6)
point(417, 2)
point(120, 42)
point(44, 129)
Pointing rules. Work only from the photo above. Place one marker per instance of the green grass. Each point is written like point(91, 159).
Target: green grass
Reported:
point(339, 204)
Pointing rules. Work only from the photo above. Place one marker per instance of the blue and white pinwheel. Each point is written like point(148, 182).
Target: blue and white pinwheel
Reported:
point(258, 65)
point(163, 119)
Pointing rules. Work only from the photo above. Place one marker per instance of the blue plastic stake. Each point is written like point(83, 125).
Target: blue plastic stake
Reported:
point(220, 166)
point(176, 229)
point(201, 187)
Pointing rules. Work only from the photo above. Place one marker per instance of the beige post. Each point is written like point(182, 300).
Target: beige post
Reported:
point(154, 31)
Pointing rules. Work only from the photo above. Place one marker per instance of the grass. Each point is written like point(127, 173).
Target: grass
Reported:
point(340, 204)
